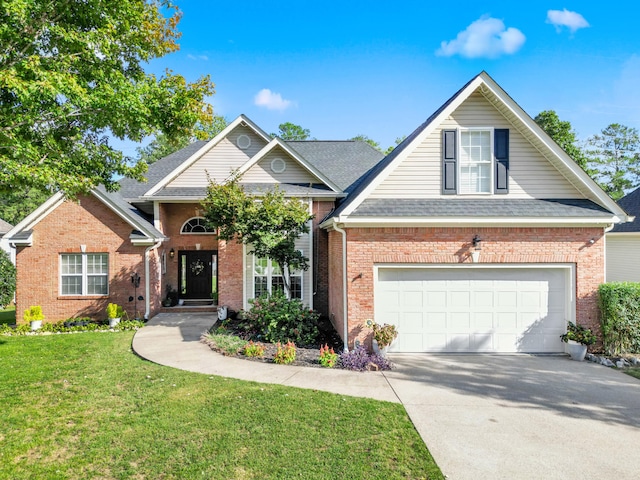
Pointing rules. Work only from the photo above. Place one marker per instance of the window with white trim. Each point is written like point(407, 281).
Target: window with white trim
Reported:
point(268, 278)
point(84, 274)
point(475, 161)
point(196, 225)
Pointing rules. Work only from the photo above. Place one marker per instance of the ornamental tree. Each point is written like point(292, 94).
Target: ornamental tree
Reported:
point(268, 224)
point(72, 79)
point(7, 279)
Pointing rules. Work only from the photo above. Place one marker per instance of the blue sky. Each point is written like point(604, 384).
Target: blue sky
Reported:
point(346, 68)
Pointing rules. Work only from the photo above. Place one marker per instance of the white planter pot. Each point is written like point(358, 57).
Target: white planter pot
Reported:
point(36, 325)
point(576, 350)
point(377, 349)
point(113, 322)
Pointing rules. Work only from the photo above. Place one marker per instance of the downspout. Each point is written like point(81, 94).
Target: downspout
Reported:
point(345, 304)
point(147, 281)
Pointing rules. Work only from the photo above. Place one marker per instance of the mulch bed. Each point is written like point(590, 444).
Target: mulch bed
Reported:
point(306, 356)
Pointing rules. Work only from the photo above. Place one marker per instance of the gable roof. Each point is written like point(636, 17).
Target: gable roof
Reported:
point(340, 164)
point(143, 232)
point(631, 204)
point(521, 121)
point(195, 156)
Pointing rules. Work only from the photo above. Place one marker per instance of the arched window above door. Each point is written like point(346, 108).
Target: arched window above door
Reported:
point(196, 225)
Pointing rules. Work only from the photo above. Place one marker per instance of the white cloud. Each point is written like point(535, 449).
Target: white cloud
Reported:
point(486, 37)
point(271, 100)
point(197, 57)
point(564, 18)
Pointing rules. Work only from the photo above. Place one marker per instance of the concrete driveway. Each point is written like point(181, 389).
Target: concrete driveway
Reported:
point(521, 416)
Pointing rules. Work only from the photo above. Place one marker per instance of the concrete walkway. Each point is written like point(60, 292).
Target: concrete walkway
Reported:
point(481, 416)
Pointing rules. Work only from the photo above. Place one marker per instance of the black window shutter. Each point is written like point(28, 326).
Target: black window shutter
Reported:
point(501, 151)
point(449, 162)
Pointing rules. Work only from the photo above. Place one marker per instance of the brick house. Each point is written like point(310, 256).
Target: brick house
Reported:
point(477, 233)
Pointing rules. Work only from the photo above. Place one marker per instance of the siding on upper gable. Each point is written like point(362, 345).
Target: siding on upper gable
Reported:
point(622, 264)
point(530, 173)
point(293, 173)
point(221, 160)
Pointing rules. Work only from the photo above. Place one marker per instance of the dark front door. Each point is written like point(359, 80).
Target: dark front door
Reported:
point(197, 273)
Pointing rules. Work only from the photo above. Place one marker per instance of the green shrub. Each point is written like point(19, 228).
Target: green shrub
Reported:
point(285, 354)
point(275, 318)
point(7, 279)
point(225, 343)
point(620, 317)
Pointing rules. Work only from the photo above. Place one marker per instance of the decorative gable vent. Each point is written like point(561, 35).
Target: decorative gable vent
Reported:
point(278, 165)
point(243, 142)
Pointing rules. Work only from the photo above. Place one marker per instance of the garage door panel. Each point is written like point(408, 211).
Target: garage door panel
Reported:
point(483, 320)
point(474, 309)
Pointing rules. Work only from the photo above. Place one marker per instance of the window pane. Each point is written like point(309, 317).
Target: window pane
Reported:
point(475, 161)
point(260, 286)
point(71, 264)
point(97, 285)
point(277, 284)
point(96, 263)
point(296, 287)
point(72, 285)
point(260, 266)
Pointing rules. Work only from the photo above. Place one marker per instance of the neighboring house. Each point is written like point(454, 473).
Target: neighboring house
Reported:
point(5, 227)
point(623, 244)
point(477, 233)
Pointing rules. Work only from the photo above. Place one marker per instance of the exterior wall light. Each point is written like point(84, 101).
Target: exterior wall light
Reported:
point(172, 253)
point(475, 254)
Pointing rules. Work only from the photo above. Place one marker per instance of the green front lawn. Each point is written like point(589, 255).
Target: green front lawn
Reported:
point(8, 316)
point(84, 406)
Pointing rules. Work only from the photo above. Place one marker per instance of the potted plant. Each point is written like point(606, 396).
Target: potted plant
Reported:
point(577, 339)
point(172, 297)
point(383, 336)
point(34, 316)
point(114, 314)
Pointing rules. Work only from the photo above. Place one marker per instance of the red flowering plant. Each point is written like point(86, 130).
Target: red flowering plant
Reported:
point(328, 357)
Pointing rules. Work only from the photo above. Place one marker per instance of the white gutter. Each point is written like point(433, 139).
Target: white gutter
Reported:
point(147, 281)
point(345, 304)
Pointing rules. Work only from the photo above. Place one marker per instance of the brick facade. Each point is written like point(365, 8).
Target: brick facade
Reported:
point(319, 258)
point(367, 247)
point(83, 222)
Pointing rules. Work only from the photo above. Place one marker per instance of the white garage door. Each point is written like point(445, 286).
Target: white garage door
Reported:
point(474, 309)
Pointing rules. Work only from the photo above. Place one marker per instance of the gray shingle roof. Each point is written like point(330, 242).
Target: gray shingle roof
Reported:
point(343, 162)
point(137, 217)
point(631, 204)
point(131, 189)
point(463, 207)
point(252, 188)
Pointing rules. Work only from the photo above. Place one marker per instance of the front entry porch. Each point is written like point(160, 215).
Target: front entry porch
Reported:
point(197, 278)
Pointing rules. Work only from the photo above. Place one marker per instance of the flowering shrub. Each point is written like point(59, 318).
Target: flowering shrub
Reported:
point(285, 354)
point(358, 359)
point(252, 349)
point(275, 318)
point(328, 357)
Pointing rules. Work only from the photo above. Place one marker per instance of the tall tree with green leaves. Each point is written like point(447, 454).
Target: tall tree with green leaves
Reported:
point(7, 279)
point(563, 134)
point(16, 204)
point(615, 158)
point(72, 77)
point(290, 132)
point(162, 145)
point(269, 224)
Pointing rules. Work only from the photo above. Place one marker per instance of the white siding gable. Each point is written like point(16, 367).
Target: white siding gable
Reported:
point(530, 173)
point(221, 160)
point(262, 171)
